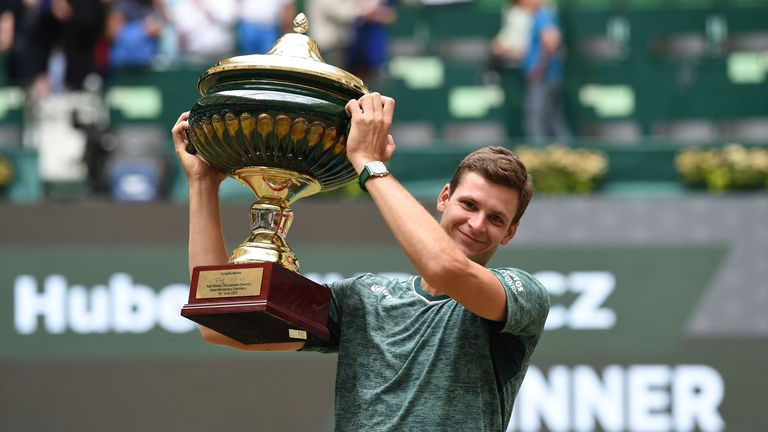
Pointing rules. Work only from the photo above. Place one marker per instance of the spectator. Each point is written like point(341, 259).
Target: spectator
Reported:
point(31, 31)
point(511, 43)
point(368, 52)
point(27, 55)
point(133, 28)
point(262, 22)
point(543, 70)
point(168, 51)
point(82, 26)
point(205, 28)
point(331, 26)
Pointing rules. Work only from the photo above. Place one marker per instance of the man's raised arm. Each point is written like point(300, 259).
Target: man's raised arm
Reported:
point(206, 237)
point(441, 264)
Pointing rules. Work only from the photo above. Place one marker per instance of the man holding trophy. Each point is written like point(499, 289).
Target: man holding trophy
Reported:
point(442, 351)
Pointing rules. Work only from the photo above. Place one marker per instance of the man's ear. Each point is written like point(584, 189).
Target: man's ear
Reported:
point(442, 197)
point(510, 233)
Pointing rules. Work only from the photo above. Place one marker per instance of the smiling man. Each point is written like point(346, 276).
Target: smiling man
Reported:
point(445, 350)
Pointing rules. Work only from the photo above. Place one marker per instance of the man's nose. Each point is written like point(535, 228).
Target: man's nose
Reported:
point(476, 221)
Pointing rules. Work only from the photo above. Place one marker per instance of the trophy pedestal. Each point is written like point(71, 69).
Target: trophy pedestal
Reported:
point(258, 303)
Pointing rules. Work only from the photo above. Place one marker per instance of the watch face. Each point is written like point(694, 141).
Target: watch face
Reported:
point(377, 168)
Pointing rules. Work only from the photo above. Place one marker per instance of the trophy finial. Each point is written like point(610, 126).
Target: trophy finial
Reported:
point(300, 23)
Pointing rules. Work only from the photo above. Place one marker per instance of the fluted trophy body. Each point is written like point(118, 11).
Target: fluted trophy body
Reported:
point(275, 122)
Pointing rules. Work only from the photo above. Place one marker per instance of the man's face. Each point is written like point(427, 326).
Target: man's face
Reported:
point(478, 215)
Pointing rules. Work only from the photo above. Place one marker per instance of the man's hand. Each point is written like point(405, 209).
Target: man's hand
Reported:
point(369, 138)
point(195, 167)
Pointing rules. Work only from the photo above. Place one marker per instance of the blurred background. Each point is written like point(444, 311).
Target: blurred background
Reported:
point(648, 228)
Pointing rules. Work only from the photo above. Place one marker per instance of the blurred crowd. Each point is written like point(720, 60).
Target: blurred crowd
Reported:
point(65, 47)
point(52, 45)
point(63, 54)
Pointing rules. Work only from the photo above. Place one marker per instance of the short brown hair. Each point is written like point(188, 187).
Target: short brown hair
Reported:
point(500, 166)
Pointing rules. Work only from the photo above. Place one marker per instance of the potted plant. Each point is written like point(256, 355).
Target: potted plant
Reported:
point(558, 169)
point(719, 169)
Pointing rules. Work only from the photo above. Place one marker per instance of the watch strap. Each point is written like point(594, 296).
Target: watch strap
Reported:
point(368, 172)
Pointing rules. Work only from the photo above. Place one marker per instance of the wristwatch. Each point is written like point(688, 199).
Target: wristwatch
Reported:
point(372, 169)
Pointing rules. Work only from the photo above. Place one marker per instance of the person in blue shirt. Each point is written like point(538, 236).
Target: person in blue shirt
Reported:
point(543, 70)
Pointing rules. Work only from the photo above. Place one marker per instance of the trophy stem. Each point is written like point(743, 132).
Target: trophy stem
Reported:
point(269, 224)
point(271, 215)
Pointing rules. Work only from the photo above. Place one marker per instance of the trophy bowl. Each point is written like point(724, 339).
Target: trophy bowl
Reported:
point(275, 122)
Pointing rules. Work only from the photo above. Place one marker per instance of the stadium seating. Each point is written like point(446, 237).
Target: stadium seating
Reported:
point(643, 79)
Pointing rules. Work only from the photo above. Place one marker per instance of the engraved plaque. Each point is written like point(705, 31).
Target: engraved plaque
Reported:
point(229, 283)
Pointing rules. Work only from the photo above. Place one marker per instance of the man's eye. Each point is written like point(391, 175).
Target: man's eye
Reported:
point(497, 220)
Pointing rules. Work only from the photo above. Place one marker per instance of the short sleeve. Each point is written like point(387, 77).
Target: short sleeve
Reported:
point(548, 19)
point(338, 294)
point(527, 302)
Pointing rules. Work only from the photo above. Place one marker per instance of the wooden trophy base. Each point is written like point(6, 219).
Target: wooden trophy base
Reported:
point(258, 303)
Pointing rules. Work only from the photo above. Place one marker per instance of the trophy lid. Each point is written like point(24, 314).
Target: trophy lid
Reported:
point(293, 54)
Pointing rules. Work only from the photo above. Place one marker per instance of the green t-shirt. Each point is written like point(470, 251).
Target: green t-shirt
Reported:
point(408, 361)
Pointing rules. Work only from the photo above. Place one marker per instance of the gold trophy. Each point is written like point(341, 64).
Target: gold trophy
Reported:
point(275, 122)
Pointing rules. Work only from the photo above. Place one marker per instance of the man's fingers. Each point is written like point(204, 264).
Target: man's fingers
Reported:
point(389, 107)
point(352, 108)
point(182, 122)
point(180, 131)
point(366, 103)
point(373, 104)
point(183, 116)
point(391, 146)
point(376, 100)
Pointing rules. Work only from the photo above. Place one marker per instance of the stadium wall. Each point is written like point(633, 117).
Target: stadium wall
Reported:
point(658, 319)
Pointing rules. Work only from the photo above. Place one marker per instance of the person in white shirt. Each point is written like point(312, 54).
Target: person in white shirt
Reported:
point(205, 28)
